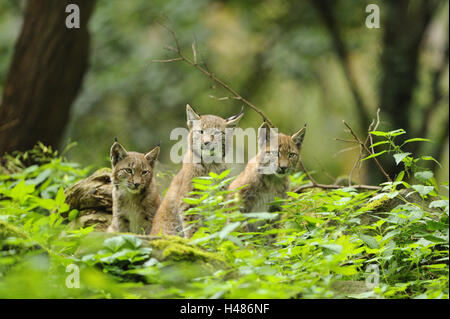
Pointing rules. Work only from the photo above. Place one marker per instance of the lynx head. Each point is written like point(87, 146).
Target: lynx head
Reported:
point(208, 131)
point(287, 155)
point(132, 172)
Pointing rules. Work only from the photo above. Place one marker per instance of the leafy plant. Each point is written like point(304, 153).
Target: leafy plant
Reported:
point(341, 243)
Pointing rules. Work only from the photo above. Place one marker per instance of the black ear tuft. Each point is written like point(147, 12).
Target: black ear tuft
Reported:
point(234, 120)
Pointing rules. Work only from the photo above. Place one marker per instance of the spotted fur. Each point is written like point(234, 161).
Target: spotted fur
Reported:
point(135, 195)
point(261, 189)
point(170, 218)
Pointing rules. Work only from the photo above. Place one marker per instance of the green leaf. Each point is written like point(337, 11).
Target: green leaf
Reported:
point(60, 197)
point(369, 241)
point(397, 132)
point(346, 270)
point(439, 203)
point(73, 214)
point(200, 187)
point(437, 266)
point(374, 155)
point(20, 191)
point(379, 133)
point(213, 175)
point(400, 156)
point(430, 158)
point(336, 248)
point(134, 241)
point(192, 201)
point(423, 190)
point(204, 181)
point(424, 176)
point(262, 215)
point(380, 143)
point(114, 243)
point(434, 225)
point(224, 174)
point(435, 239)
point(400, 176)
point(228, 229)
point(313, 220)
point(417, 139)
point(293, 195)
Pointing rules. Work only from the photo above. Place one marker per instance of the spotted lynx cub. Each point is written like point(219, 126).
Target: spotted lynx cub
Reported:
point(135, 195)
point(169, 219)
point(261, 188)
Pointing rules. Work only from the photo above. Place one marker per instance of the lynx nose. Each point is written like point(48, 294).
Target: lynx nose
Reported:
point(136, 185)
point(282, 169)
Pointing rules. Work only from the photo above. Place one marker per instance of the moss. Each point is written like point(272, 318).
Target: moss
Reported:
point(178, 249)
point(167, 248)
point(377, 205)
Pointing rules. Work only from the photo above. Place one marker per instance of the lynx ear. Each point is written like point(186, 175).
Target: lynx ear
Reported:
point(152, 156)
point(263, 133)
point(192, 115)
point(299, 136)
point(234, 120)
point(117, 153)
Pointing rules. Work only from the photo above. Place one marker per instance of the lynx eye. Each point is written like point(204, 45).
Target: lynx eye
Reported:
point(145, 172)
point(292, 155)
point(128, 170)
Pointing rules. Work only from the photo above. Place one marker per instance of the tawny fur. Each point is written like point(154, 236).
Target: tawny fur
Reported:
point(135, 194)
point(262, 189)
point(170, 218)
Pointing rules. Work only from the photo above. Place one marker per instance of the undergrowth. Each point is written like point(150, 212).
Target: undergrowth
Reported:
point(390, 243)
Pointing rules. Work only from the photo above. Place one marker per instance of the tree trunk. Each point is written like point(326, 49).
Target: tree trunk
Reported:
point(404, 25)
point(45, 75)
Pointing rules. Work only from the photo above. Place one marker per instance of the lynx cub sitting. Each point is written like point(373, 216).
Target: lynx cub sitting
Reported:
point(135, 195)
point(261, 188)
point(169, 219)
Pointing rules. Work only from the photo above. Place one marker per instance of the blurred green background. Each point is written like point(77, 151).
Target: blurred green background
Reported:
point(283, 56)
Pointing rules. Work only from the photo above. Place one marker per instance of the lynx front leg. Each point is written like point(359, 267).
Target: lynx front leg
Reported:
point(119, 224)
point(189, 227)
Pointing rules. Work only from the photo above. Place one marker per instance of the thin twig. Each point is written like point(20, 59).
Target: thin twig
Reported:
point(324, 186)
point(313, 181)
point(166, 61)
point(182, 57)
point(368, 151)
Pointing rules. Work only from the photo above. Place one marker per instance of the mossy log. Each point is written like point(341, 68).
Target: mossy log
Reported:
point(164, 248)
point(92, 197)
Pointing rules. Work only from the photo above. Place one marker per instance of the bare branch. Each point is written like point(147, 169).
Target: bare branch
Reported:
point(313, 181)
point(368, 151)
point(166, 61)
point(182, 57)
point(324, 186)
